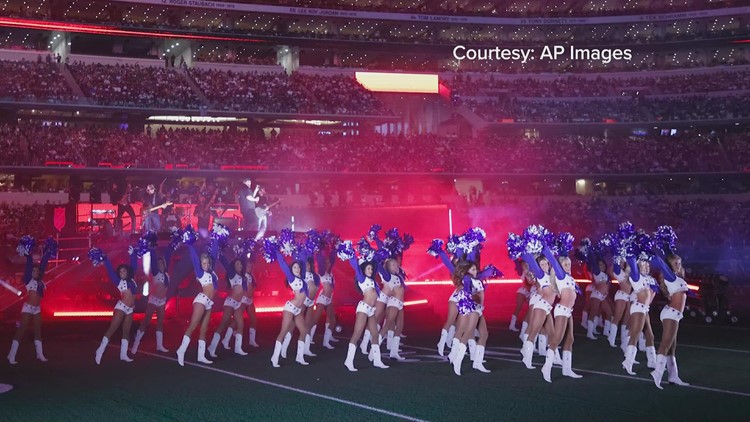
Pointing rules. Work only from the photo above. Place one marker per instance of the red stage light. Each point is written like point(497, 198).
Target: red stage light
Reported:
point(107, 30)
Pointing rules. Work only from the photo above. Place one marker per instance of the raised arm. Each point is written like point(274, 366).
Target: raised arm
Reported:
point(659, 263)
point(634, 273)
point(113, 277)
point(27, 270)
point(384, 273)
point(214, 252)
point(616, 269)
point(487, 272)
point(228, 267)
point(533, 265)
point(447, 261)
point(559, 272)
point(196, 261)
point(284, 267)
point(357, 270)
point(378, 242)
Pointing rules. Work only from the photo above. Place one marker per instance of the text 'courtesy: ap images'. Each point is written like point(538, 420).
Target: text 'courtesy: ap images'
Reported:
point(547, 52)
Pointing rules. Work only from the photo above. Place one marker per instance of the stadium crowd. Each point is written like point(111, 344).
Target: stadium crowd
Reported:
point(37, 144)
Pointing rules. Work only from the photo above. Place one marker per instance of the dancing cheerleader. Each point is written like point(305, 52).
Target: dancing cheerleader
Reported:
point(566, 288)
point(203, 302)
point(365, 313)
point(324, 301)
point(247, 303)
point(393, 284)
point(237, 283)
point(522, 294)
point(598, 298)
point(157, 299)
point(123, 312)
point(32, 311)
point(292, 314)
point(545, 295)
point(622, 302)
point(312, 280)
point(641, 298)
point(675, 289)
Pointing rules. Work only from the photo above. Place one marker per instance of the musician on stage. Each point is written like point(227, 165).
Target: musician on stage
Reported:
point(203, 209)
point(262, 213)
point(123, 206)
point(152, 202)
point(248, 199)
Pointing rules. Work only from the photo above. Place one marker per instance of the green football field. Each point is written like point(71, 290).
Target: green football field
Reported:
point(71, 387)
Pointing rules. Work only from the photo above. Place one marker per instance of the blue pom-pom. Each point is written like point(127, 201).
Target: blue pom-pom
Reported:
point(625, 230)
point(643, 246)
point(50, 247)
point(175, 238)
point(435, 247)
point(374, 230)
point(408, 241)
point(221, 234)
point(331, 239)
point(452, 244)
point(189, 236)
point(96, 256)
point(270, 246)
point(26, 245)
point(564, 243)
point(313, 242)
point(665, 239)
point(365, 250)
point(536, 238)
point(381, 255)
point(286, 241)
point(246, 248)
point(345, 250)
point(608, 244)
point(515, 245)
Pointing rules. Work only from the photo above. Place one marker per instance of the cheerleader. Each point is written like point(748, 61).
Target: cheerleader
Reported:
point(622, 302)
point(324, 302)
point(157, 300)
point(675, 288)
point(598, 299)
point(470, 310)
point(32, 311)
point(247, 306)
point(640, 300)
point(548, 326)
point(449, 328)
point(237, 283)
point(203, 302)
point(393, 286)
point(123, 312)
point(312, 280)
point(292, 314)
point(566, 288)
point(365, 314)
point(522, 294)
point(542, 304)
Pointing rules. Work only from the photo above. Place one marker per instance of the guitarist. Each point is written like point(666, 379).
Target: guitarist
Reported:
point(151, 200)
point(262, 212)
